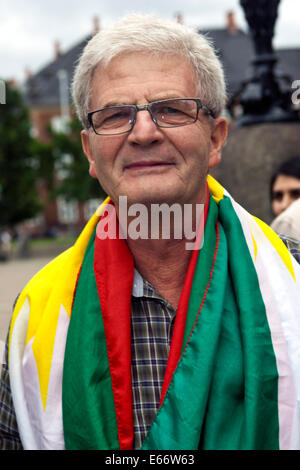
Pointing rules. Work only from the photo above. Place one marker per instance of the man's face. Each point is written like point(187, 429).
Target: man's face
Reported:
point(151, 164)
point(286, 189)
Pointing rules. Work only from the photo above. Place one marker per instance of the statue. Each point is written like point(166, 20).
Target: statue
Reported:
point(266, 97)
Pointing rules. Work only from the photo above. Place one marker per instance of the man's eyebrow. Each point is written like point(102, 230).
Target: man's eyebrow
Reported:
point(160, 97)
point(114, 103)
point(167, 96)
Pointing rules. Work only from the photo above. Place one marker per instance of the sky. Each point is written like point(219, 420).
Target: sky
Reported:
point(29, 28)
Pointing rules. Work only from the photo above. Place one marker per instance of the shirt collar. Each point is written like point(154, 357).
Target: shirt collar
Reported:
point(138, 285)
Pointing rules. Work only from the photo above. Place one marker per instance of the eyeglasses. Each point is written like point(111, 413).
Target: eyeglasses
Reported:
point(177, 112)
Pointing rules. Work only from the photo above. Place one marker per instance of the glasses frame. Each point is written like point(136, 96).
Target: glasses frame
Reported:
point(147, 107)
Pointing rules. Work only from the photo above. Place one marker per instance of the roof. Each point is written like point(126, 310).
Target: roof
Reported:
point(42, 89)
point(235, 51)
point(289, 62)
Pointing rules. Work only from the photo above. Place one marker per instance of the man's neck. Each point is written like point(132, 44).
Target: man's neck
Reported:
point(163, 260)
point(163, 263)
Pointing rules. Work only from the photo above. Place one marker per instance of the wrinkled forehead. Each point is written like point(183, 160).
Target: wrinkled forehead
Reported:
point(108, 64)
point(138, 73)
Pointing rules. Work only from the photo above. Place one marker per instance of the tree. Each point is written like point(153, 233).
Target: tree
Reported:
point(77, 183)
point(64, 167)
point(18, 196)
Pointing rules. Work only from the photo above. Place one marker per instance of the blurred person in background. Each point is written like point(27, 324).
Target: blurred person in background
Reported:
point(285, 185)
point(285, 200)
point(5, 245)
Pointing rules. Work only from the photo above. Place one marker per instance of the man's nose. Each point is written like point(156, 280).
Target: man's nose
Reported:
point(145, 131)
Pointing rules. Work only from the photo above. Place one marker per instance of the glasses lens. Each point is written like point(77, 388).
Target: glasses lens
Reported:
point(174, 112)
point(113, 120)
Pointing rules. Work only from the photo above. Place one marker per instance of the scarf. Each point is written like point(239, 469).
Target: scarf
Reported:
point(233, 374)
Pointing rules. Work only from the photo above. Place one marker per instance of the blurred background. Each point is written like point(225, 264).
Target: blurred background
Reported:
point(46, 194)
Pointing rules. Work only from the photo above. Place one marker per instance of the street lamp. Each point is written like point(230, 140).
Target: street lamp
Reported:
point(266, 97)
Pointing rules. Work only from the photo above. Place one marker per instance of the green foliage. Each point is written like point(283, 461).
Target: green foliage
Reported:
point(18, 196)
point(60, 163)
point(64, 166)
point(43, 154)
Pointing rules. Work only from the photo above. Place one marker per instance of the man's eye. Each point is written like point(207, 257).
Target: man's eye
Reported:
point(169, 110)
point(113, 119)
point(119, 115)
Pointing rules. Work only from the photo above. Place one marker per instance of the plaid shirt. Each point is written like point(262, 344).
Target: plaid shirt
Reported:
point(9, 435)
point(152, 322)
point(292, 245)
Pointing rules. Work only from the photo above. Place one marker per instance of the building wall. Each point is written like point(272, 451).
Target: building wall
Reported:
point(41, 119)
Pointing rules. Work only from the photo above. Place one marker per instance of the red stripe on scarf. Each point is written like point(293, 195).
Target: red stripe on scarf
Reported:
point(207, 287)
point(113, 265)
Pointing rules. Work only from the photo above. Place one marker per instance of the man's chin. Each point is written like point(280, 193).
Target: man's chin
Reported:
point(149, 196)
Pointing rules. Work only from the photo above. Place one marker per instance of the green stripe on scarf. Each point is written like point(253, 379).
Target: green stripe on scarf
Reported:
point(224, 389)
point(89, 417)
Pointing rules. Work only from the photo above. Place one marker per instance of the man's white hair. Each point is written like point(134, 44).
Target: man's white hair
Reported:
point(146, 33)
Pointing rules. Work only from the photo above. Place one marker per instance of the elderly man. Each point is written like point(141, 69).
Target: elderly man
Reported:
point(128, 341)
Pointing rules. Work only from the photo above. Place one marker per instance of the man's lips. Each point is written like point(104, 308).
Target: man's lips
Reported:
point(147, 164)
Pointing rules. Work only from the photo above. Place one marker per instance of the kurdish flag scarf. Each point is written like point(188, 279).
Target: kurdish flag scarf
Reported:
point(233, 375)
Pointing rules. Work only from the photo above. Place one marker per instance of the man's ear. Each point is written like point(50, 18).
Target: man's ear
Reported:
point(218, 139)
point(87, 149)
